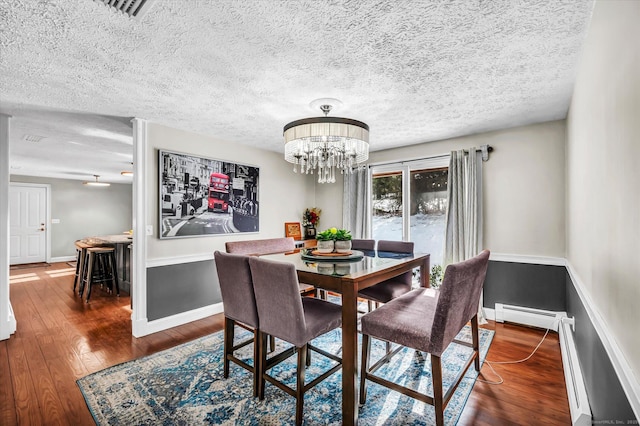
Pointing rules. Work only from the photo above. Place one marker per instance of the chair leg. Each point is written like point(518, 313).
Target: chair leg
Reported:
point(228, 344)
point(257, 362)
point(366, 348)
point(76, 279)
point(476, 341)
point(90, 271)
point(261, 365)
point(370, 305)
point(302, 359)
point(83, 272)
point(272, 343)
point(114, 271)
point(436, 374)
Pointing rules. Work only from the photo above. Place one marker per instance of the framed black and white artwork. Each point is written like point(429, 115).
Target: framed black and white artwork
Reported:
point(203, 196)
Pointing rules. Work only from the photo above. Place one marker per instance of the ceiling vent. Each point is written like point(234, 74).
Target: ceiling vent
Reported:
point(134, 8)
point(32, 138)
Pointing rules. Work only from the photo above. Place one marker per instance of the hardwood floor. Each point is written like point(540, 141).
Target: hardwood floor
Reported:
point(60, 339)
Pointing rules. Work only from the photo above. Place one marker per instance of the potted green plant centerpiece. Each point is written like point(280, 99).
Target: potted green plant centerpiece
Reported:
point(326, 240)
point(343, 241)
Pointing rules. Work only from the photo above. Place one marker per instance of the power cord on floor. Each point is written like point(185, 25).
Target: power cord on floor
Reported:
point(501, 380)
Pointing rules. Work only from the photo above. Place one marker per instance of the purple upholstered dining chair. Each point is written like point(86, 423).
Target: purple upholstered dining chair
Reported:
point(428, 323)
point(260, 247)
point(393, 287)
point(236, 287)
point(294, 319)
point(268, 246)
point(360, 244)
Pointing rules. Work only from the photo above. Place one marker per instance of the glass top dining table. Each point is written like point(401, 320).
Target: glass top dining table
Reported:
point(347, 277)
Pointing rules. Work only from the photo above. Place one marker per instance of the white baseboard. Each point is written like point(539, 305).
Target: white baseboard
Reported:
point(628, 381)
point(12, 320)
point(576, 390)
point(62, 259)
point(525, 316)
point(144, 328)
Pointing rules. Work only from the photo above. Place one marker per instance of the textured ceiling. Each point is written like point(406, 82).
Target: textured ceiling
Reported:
point(415, 71)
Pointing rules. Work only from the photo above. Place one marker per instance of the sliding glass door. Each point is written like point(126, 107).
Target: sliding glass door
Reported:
point(409, 203)
point(386, 206)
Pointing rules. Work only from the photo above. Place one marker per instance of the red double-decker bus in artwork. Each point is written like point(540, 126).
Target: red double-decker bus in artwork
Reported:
point(218, 193)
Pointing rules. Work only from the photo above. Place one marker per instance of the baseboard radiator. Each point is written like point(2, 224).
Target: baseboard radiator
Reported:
point(576, 391)
point(556, 321)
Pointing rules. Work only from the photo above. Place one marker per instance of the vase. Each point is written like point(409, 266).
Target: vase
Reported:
point(343, 246)
point(325, 246)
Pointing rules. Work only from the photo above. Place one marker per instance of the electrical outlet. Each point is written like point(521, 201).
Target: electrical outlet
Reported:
point(149, 229)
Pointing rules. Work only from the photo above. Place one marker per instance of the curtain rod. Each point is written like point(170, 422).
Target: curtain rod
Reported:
point(432, 157)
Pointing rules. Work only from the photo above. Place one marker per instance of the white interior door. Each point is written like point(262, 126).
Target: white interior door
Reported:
point(27, 224)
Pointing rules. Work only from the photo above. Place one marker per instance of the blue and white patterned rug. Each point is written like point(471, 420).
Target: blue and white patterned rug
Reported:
point(184, 386)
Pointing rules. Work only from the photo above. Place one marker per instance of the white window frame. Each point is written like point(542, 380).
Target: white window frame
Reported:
point(405, 167)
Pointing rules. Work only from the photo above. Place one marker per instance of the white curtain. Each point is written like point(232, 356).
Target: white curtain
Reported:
point(463, 237)
point(354, 202)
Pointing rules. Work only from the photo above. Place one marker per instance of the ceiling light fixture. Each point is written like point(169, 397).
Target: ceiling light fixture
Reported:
point(96, 182)
point(326, 144)
point(126, 173)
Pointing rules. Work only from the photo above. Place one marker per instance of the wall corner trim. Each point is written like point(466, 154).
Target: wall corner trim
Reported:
point(629, 382)
point(144, 327)
point(525, 258)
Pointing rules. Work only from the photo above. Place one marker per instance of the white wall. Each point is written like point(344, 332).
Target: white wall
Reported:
point(524, 189)
point(603, 175)
point(83, 211)
point(283, 194)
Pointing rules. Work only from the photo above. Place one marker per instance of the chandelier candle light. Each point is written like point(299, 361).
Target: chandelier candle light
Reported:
point(326, 144)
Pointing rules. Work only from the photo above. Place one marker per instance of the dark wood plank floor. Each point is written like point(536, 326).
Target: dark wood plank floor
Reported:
point(60, 339)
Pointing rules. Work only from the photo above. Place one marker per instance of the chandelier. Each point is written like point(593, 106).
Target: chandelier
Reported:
point(326, 144)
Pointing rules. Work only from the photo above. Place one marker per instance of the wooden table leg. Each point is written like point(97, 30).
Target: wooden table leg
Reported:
point(349, 355)
point(425, 270)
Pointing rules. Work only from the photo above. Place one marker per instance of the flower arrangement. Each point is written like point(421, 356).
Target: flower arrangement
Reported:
point(311, 217)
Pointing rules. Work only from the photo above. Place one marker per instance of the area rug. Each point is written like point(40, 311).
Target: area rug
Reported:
point(184, 386)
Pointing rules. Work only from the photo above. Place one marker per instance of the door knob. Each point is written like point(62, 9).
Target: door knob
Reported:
point(42, 229)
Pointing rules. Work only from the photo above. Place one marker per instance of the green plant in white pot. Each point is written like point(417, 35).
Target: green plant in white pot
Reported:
point(325, 240)
point(343, 241)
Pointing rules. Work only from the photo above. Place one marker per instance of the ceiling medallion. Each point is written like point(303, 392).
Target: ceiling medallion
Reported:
point(326, 144)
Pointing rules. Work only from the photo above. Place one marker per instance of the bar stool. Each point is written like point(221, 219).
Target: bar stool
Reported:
point(100, 267)
point(81, 248)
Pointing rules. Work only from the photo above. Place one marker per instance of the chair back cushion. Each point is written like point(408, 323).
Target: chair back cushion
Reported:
point(236, 288)
point(358, 244)
point(395, 246)
point(275, 285)
point(260, 247)
point(459, 299)
point(398, 247)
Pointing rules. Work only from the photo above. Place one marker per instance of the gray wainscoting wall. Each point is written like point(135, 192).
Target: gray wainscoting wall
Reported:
point(525, 284)
point(174, 289)
point(606, 397)
point(551, 288)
